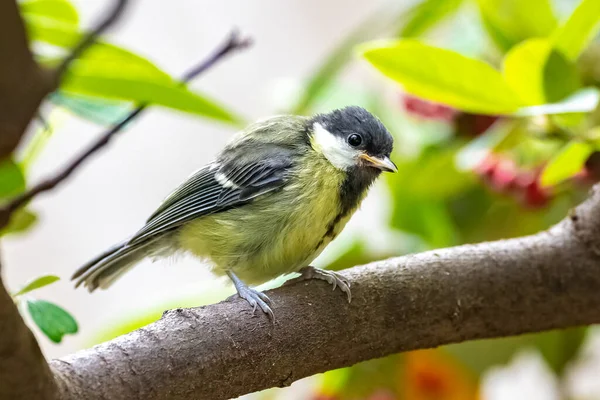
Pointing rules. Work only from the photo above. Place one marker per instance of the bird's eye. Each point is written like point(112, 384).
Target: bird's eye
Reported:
point(354, 140)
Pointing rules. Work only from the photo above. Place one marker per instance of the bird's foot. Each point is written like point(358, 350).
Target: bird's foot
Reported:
point(254, 297)
point(333, 278)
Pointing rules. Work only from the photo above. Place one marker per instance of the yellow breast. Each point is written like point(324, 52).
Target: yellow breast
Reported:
point(277, 233)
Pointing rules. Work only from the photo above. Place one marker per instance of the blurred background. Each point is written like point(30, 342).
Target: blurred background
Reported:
point(467, 173)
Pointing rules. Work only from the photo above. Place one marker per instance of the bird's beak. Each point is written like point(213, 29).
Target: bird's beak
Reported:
point(384, 164)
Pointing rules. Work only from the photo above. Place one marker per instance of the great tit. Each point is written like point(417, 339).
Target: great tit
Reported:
point(276, 196)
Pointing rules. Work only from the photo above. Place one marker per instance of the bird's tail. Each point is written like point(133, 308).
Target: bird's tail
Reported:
point(105, 269)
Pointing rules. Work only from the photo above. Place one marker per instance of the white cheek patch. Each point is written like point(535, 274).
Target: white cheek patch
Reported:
point(339, 153)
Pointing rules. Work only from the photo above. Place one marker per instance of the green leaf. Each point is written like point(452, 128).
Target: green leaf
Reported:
point(337, 59)
point(427, 14)
point(20, 221)
point(510, 21)
point(503, 42)
point(108, 71)
point(568, 162)
point(52, 320)
point(58, 10)
point(100, 111)
point(581, 27)
point(12, 180)
point(583, 101)
point(67, 37)
point(37, 283)
point(443, 76)
point(540, 74)
point(523, 66)
point(385, 19)
point(35, 146)
point(121, 81)
point(561, 77)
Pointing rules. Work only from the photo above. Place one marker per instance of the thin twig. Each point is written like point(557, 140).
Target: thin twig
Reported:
point(234, 42)
point(90, 38)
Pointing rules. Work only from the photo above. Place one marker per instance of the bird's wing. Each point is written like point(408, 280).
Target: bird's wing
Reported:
point(219, 186)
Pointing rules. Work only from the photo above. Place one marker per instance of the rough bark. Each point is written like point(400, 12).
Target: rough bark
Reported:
point(23, 84)
point(24, 373)
point(540, 282)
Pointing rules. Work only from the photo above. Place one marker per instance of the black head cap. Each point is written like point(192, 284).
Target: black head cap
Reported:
point(353, 120)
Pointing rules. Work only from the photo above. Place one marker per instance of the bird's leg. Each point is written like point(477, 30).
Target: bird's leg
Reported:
point(252, 296)
point(333, 278)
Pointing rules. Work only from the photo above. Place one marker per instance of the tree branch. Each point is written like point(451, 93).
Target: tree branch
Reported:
point(232, 44)
point(540, 282)
point(23, 84)
point(24, 373)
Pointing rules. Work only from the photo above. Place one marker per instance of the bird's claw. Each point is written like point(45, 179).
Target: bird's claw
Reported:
point(333, 278)
point(257, 299)
point(252, 296)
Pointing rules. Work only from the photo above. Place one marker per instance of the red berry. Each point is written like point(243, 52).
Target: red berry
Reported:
point(487, 166)
point(535, 196)
point(482, 123)
point(524, 179)
point(427, 109)
point(504, 175)
point(473, 124)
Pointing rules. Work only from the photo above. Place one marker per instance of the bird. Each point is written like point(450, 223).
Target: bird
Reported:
point(277, 194)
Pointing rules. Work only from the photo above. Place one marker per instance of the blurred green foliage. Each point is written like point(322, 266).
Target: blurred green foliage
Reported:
point(22, 220)
point(107, 70)
point(509, 22)
point(13, 180)
point(492, 142)
point(415, 20)
point(580, 28)
point(37, 283)
point(450, 78)
point(566, 163)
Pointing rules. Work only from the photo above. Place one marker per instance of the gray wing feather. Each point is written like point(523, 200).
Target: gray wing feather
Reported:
point(203, 194)
point(195, 182)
